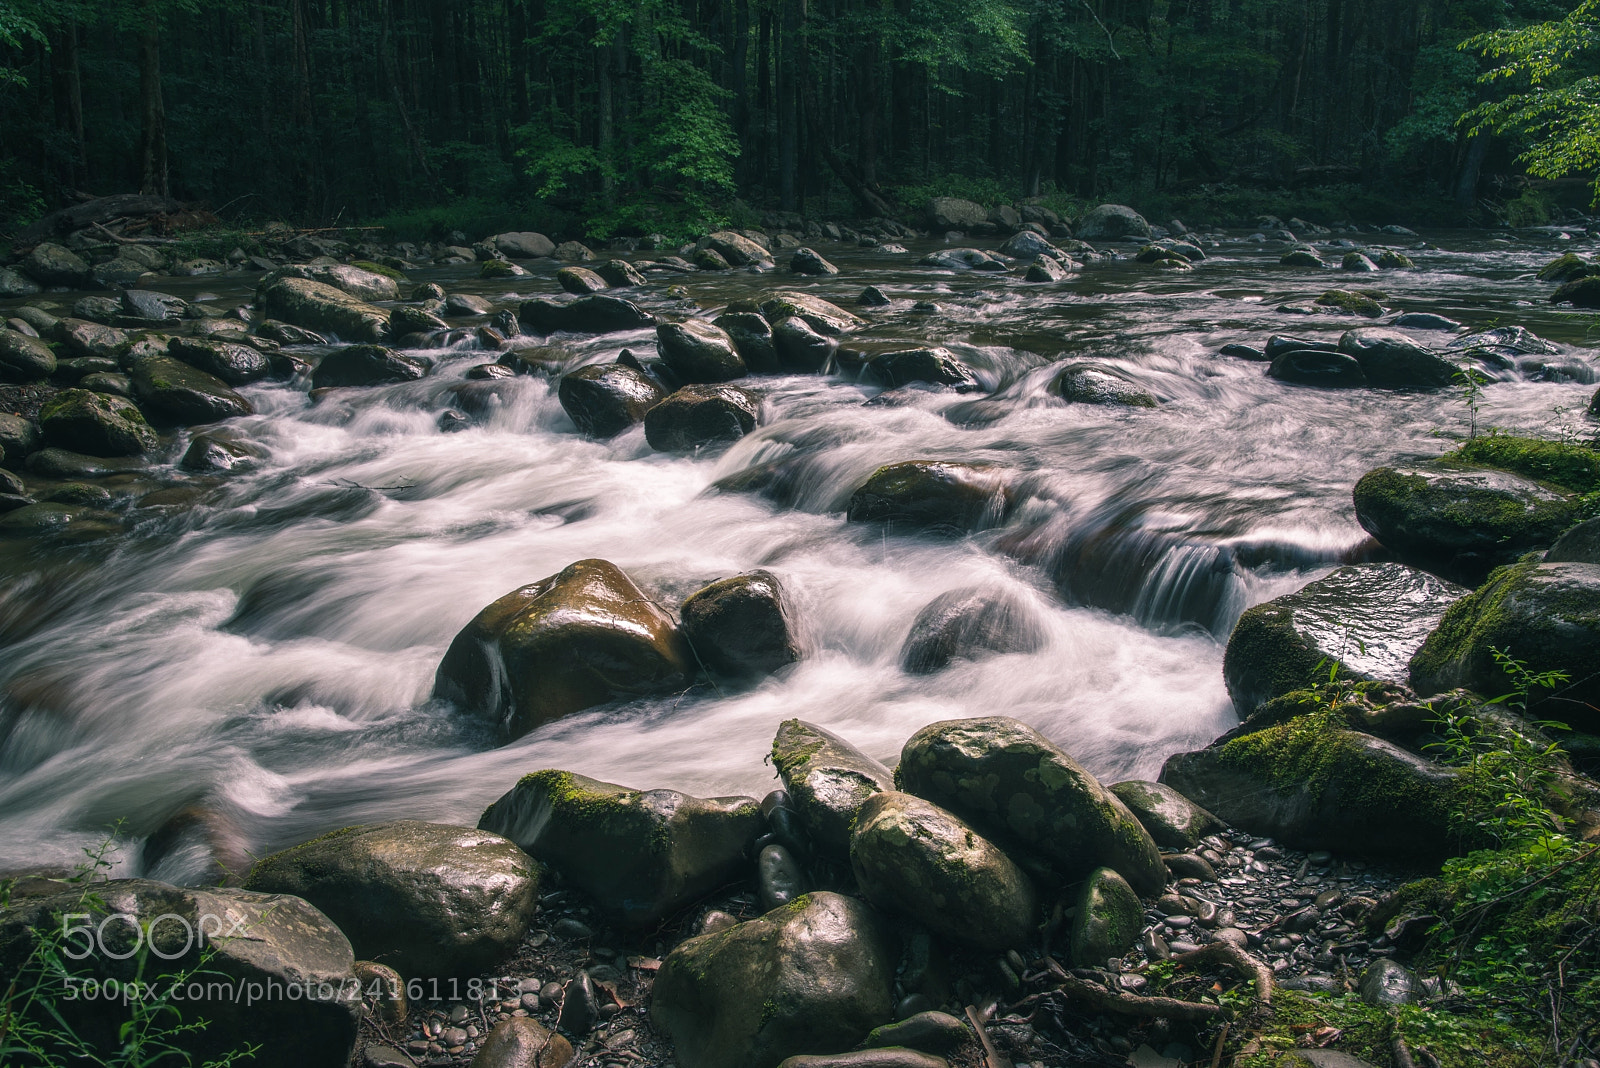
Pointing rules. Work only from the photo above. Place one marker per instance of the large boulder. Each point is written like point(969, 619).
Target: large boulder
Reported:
point(968, 623)
point(953, 213)
point(737, 249)
point(1027, 245)
point(1174, 822)
point(1546, 615)
point(642, 855)
point(580, 280)
point(1112, 222)
point(359, 282)
point(1580, 293)
point(1108, 920)
point(810, 261)
point(751, 335)
point(1447, 514)
point(173, 392)
point(1021, 791)
point(828, 779)
point(826, 319)
point(1313, 784)
point(1087, 383)
point(604, 399)
point(24, 358)
point(1318, 367)
point(963, 259)
point(17, 284)
point(96, 424)
point(323, 308)
point(523, 245)
point(911, 856)
point(1368, 619)
point(576, 639)
point(366, 365)
point(53, 265)
point(596, 314)
point(1580, 545)
point(698, 416)
point(740, 626)
point(813, 976)
point(233, 943)
point(237, 365)
point(799, 347)
point(426, 899)
point(83, 338)
point(698, 351)
point(1390, 359)
point(936, 496)
point(936, 366)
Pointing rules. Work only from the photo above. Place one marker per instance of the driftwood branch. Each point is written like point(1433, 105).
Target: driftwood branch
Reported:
point(1105, 1000)
point(121, 240)
point(1237, 959)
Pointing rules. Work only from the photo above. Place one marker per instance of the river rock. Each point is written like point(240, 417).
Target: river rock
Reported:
point(358, 282)
point(323, 308)
point(962, 259)
point(366, 365)
point(827, 319)
point(913, 857)
point(83, 338)
point(237, 365)
point(751, 335)
point(429, 900)
point(1108, 920)
point(1173, 820)
point(931, 1032)
point(698, 351)
point(16, 284)
point(522, 1042)
point(1087, 383)
point(1112, 222)
point(597, 314)
point(604, 399)
point(697, 416)
point(219, 451)
point(1348, 302)
point(887, 1057)
point(1313, 785)
point(579, 638)
point(407, 319)
point(95, 424)
point(934, 365)
point(811, 977)
point(619, 273)
point(934, 496)
point(709, 259)
point(1045, 269)
point(964, 624)
point(24, 358)
point(1023, 792)
point(1546, 614)
point(522, 245)
point(828, 781)
point(1391, 359)
point(809, 261)
point(737, 249)
point(1027, 245)
point(1566, 267)
point(1369, 619)
point(740, 626)
point(779, 878)
point(1387, 984)
point(265, 938)
point(1436, 513)
point(801, 348)
point(96, 309)
point(953, 213)
point(173, 392)
point(1580, 293)
point(1318, 367)
point(580, 280)
point(1579, 545)
point(1304, 257)
point(641, 854)
point(153, 307)
point(1357, 262)
point(52, 265)
point(18, 438)
point(1427, 321)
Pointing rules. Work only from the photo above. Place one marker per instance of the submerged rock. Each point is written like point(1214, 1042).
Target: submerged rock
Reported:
point(935, 496)
point(740, 626)
point(641, 854)
point(934, 365)
point(828, 781)
point(1367, 618)
point(967, 623)
point(1318, 367)
point(428, 899)
point(604, 399)
point(811, 977)
point(1391, 359)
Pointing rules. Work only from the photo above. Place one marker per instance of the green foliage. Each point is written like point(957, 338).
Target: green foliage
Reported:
point(690, 142)
point(1531, 207)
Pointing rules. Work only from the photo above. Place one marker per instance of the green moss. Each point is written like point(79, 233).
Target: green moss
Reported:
point(1566, 267)
point(573, 801)
point(1571, 467)
point(378, 268)
point(1393, 260)
point(496, 269)
point(1350, 301)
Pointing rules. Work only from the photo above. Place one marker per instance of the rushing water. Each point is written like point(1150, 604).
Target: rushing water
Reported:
point(265, 647)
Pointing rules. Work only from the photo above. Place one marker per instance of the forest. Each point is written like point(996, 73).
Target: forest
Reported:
point(606, 117)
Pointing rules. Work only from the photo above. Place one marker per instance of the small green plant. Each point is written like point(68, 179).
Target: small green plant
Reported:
point(1469, 381)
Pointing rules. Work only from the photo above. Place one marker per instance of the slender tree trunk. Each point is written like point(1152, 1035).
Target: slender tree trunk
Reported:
point(788, 106)
point(153, 112)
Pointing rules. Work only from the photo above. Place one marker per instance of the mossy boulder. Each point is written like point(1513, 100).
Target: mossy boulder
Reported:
point(1566, 267)
point(1350, 302)
point(1390, 260)
point(237, 365)
point(1108, 920)
point(580, 281)
point(699, 351)
point(1314, 784)
point(55, 265)
point(1544, 614)
point(24, 358)
point(641, 854)
point(740, 627)
point(1365, 619)
point(936, 366)
point(173, 392)
point(913, 857)
point(737, 249)
point(933, 496)
point(751, 335)
point(1173, 820)
point(424, 898)
point(604, 399)
point(1087, 383)
point(95, 424)
point(1112, 222)
point(323, 308)
point(1021, 791)
point(409, 319)
point(700, 416)
point(813, 976)
point(1300, 257)
point(573, 640)
point(367, 365)
point(828, 780)
point(1393, 360)
point(801, 348)
point(966, 624)
point(358, 282)
point(1580, 293)
point(827, 319)
point(1580, 545)
point(597, 314)
point(1357, 262)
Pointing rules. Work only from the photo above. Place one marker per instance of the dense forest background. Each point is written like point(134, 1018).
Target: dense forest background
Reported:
point(617, 116)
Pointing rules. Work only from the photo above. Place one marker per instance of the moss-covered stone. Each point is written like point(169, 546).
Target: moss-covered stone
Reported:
point(936, 496)
point(814, 976)
point(828, 779)
point(1580, 293)
point(827, 319)
point(1389, 259)
point(641, 854)
point(323, 308)
point(1021, 791)
point(96, 424)
point(1350, 303)
point(1567, 465)
point(911, 856)
point(1301, 257)
point(1108, 920)
point(173, 392)
point(1087, 383)
point(1172, 819)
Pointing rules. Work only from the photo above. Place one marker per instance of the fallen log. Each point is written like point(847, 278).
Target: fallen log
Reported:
point(103, 209)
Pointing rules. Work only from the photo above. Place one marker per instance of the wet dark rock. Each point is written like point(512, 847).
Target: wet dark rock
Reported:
point(317, 306)
point(812, 977)
point(237, 365)
point(933, 496)
point(450, 421)
point(221, 451)
point(1279, 344)
point(24, 358)
point(1579, 545)
point(709, 259)
point(76, 368)
point(967, 623)
point(800, 347)
point(406, 320)
point(80, 337)
point(95, 424)
point(1566, 267)
point(580, 1006)
point(579, 638)
point(1023, 792)
point(698, 351)
point(1317, 367)
point(740, 626)
point(16, 284)
point(737, 249)
point(289, 334)
point(153, 307)
point(913, 857)
point(1304, 257)
point(464, 304)
point(1387, 984)
point(103, 310)
point(1027, 245)
point(873, 297)
point(619, 273)
point(607, 398)
point(1367, 618)
point(173, 392)
point(366, 365)
point(580, 280)
point(1580, 293)
point(963, 259)
point(1244, 352)
point(52, 265)
point(1108, 920)
point(641, 854)
point(1045, 269)
point(1357, 262)
point(1172, 819)
point(65, 464)
point(827, 319)
point(1112, 222)
point(779, 878)
point(428, 899)
point(702, 415)
point(930, 1031)
point(751, 335)
point(1188, 865)
point(521, 1042)
point(1087, 383)
point(808, 261)
point(598, 314)
point(485, 372)
point(934, 365)
point(1391, 359)
point(1426, 321)
point(828, 781)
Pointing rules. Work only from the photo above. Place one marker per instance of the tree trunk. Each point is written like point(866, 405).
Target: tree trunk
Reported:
point(1467, 180)
point(153, 128)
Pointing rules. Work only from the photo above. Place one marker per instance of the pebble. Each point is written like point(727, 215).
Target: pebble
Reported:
point(550, 993)
point(580, 1008)
point(570, 929)
point(1183, 947)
